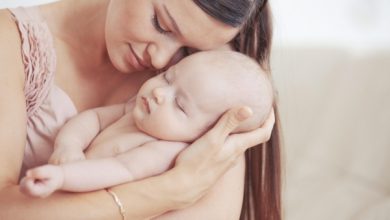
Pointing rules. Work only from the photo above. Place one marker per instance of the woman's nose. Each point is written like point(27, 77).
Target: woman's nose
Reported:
point(161, 54)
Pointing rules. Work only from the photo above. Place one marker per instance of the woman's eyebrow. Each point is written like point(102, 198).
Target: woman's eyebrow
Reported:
point(175, 26)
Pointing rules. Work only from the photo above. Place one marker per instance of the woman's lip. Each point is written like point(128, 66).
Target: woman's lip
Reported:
point(137, 62)
point(132, 59)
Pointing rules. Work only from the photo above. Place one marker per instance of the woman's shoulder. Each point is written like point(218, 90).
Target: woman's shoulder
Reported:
point(10, 43)
point(9, 33)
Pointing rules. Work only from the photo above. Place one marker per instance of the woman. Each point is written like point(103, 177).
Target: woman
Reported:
point(102, 51)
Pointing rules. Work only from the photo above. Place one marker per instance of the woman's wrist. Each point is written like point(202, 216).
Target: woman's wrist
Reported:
point(175, 188)
point(152, 196)
point(180, 189)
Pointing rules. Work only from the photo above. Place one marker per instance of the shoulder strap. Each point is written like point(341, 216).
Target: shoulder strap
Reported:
point(26, 13)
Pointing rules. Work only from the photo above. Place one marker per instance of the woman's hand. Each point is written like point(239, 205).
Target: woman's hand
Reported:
point(208, 158)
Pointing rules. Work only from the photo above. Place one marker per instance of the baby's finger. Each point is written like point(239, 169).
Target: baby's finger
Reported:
point(27, 186)
point(39, 172)
point(230, 121)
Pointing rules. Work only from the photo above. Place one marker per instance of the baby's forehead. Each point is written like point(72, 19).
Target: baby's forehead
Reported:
point(210, 69)
point(214, 73)
point(213, 92)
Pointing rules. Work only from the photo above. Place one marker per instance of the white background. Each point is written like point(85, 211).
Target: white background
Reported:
point(15, 3)
point(357, 24)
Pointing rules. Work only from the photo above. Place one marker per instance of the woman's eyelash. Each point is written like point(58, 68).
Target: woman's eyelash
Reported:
point(157, 25)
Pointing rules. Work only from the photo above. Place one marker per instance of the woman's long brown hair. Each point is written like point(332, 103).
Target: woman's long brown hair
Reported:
point(262, 198)
point(262, 193)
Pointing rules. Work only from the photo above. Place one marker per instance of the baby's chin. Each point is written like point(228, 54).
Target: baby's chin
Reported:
point(144, 127)
point(142, 124)
point(137, 117)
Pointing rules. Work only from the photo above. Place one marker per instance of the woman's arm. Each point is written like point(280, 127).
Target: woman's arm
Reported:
point(12, 102)
point(222, 202)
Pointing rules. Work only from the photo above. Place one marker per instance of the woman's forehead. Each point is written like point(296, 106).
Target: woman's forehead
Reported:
point(198, 29)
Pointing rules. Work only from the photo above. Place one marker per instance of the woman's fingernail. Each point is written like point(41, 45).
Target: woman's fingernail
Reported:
point(244, 113)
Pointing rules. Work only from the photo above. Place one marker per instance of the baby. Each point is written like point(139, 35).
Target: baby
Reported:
point(111, 145)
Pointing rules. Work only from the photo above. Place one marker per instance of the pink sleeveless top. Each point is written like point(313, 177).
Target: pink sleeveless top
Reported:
point(48, 107)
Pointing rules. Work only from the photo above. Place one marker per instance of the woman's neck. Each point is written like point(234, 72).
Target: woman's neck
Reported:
point(80, 25)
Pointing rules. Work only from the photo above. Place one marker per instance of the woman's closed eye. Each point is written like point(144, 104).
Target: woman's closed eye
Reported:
point(157, 25)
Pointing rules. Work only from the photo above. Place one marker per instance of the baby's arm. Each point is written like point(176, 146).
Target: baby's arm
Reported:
point(87, 175)
point(77, 176)
point(75, 136)
point(151, 158)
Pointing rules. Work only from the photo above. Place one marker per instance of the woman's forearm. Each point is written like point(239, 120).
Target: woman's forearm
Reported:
point(142, 200)
point(156, 195)
point(223, 201)
point(96, 205)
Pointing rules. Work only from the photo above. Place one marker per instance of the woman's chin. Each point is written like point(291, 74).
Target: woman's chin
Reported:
point(121, 64)
point(124, 67)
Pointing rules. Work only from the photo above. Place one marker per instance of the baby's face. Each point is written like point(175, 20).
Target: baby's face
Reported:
point(181, 103)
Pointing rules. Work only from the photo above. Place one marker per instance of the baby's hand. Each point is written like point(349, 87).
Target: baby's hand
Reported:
point(60, 156)
point(42, 181)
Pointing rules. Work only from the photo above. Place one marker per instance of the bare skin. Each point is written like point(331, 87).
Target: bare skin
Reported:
point(108, 146)
point(86, 74)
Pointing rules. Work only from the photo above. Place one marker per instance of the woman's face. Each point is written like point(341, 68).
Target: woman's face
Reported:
point(150, 34)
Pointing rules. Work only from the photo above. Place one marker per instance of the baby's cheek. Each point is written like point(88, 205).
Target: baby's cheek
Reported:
point(166, 129)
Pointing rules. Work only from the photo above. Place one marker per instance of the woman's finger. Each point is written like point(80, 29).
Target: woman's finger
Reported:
point(213, 140)
point(230, 121)
point(255, 137)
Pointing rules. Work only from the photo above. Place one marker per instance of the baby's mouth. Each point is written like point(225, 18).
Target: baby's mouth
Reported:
point(145, 103)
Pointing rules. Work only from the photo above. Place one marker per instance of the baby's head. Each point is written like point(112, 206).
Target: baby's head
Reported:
point(183, 102)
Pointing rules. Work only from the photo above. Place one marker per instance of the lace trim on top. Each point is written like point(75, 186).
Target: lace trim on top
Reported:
point(38, 56)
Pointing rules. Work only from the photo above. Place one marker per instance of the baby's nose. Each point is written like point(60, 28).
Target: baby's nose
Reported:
point(158, 94)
